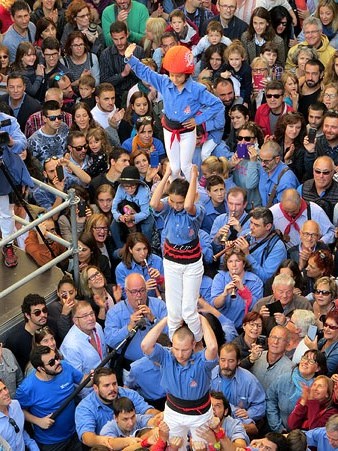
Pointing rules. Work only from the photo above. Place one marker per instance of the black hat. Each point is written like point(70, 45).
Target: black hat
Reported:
point(130, 174)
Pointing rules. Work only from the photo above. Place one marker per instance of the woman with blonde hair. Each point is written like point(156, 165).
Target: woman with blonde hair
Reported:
point(327, 13)
point(291, 89)
point(331, 70)
point(155, 27)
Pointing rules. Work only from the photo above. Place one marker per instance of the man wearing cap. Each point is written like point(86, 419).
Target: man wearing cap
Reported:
point(132, 189)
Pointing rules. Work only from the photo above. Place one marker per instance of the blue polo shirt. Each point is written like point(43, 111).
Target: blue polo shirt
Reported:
point(111, 428)
point(191, 381)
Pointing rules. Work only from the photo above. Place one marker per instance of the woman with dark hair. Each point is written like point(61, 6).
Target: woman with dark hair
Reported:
point(137, 257)
point(43, 337)
point(259, 32)
point(329, 343)
point(246, 171)
point(98, 292)
point(213, 62)
point(325, 293)
point(283, 393)
point(291, 268)
point(235, 290)
point(144, 139)
point(49, 9)
point(104, 195)
point(82, 118)
point(281, 22)
point(141, 160)
point(290, 132)
point(239, 116)
point(79, 59)
point(27, 64)
point(45, 28)
point(247, 340)
point(320, 264)
point(139, 107)
point(98, 226)
point(4, 67)
point(89, 254)
point(80, 17)
point(315, 406)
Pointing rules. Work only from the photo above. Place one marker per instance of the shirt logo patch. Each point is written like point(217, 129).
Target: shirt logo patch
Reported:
point(193, 383)
point(187, 110)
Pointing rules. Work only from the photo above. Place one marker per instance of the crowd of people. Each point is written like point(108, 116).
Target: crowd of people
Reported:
point(201, 139)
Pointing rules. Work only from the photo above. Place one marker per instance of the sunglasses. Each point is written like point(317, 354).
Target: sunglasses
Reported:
point(246, 138)
point(54, 118)
point(323, 292)
point(275, 96)
point(145, 119)
point(284, 24)
point(12, 422)
point(79, 148)
point(318, 171)
point(53, 360)
point(3, 57)
point(59, 76)
point(47, 160)
point(38, 312)
point(330, 326)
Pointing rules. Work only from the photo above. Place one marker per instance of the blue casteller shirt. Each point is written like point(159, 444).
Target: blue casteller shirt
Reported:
point(41, 398)
point(211, 213)
point(92, 414)
point(318, 437)
point(189, 382)
point(141, 198)
point(143, 377)
point(267, 182)
point(192, 99)
point(234, 308)
point(112, 430)
point(242, 384)
point(179, 226)
point(116, 326)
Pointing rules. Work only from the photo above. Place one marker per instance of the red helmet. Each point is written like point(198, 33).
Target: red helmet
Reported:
point(179, 60)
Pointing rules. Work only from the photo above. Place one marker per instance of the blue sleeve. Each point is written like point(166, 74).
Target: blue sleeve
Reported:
point(272, 408)
point(29, 442)
point(127, 144)
point(114, 332)
point(217, 288)
point(143, 72)
point(84, 419)
point(14, 131)
point(212, 108)
point(143, 197)
point(270, 264)
point(206, 246)
point(119, 196)
point(140, 405)
point(256, 400)
point(289, 180)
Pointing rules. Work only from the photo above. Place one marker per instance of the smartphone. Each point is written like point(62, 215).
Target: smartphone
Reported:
point(312, 332)
point(257, 81)
point(275, 307)
point(82, 208)
point(261, 341)
point(59, 172)
point(242, 150)
point(154, 159)
point(312, 135)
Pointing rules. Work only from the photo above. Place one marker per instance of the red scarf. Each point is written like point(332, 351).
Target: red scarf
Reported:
point(292, 220)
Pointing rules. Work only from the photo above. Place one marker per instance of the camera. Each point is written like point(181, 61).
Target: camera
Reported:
point(92, 28)
point(4, 136)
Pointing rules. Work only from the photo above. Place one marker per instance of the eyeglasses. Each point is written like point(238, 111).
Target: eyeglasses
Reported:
point(47, 160)
point(3, 57)
point(12, 422)
point(77, 45)
point(323, 292)
point(51, 55)
point(94, 276)
point(231, 7)
point(246, 138)
point(145, 119)
point(54, 118)
point(311, 32)
point(284, 24)
point(139, 291)
point(102, 229)
point(87, 315)
point(273, 337)
point(83, 16)
point(53, 360)
point(265, 161)
point(310, 361)
point(255, 325)
point(59, 76)
point(79, 148)
point(38, 312)
point(330, 326)
point(319, 171)
point(330, 96)
point(259, 70)
point(309, 235)
point(275, 96)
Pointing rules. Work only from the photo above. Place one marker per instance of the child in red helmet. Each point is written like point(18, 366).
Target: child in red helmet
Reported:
point(186, 105)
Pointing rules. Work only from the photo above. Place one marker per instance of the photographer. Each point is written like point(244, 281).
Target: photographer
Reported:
point(12, 143)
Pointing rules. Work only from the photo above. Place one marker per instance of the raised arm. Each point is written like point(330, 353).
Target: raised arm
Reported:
point(189, 202)
point(155, 201)
point(209, 339)
point(149, 341)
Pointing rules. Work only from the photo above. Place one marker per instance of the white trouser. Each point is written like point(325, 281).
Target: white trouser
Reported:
point(182, 289)
point(207, 148)
point(180, 153)
point(180, 424)
point(6, 217)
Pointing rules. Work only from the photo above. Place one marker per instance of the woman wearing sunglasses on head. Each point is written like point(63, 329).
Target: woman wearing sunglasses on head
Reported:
point(329, 343)
point(324, 293)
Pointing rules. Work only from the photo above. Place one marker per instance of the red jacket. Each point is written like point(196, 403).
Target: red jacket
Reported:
point(312, 415)
point(262, 117)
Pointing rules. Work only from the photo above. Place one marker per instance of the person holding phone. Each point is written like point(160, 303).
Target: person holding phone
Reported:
point(251, 340)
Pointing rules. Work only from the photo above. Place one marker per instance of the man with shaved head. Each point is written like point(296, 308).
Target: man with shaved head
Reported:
point(310, 241)
point(291, 213)
point(322, 189)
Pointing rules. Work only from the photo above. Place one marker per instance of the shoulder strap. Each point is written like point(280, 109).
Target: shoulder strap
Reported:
point(258, 245)
point(274, 189)
point(308, 210)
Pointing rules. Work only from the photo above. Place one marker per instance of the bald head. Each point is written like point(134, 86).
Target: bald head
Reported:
point(291, 201)
point(323, 172)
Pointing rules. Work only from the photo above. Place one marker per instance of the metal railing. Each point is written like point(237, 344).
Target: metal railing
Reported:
point(70, 200)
